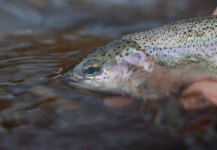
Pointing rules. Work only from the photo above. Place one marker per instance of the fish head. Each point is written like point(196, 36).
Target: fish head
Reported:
point(114, 68)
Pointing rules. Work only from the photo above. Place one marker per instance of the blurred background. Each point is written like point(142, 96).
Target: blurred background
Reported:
point(39, 38)
point(97, 15)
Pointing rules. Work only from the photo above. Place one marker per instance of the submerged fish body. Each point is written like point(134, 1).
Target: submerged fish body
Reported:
point(138, 64)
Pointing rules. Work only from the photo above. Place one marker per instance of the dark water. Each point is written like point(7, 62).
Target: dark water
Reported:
point(38, 39)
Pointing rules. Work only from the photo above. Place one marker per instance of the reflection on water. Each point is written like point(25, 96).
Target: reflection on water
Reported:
point(39, 112)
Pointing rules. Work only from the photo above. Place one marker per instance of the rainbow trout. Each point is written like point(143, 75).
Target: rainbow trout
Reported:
point(145, 63)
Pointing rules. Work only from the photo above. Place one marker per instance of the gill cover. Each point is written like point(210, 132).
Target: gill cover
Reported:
point(136, 58)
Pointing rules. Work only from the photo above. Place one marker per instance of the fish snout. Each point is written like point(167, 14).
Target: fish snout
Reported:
point(65, 79)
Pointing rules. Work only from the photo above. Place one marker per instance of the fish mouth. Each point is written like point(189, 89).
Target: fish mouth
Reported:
point(78, 85)
point(71, 82)
point(66, 80)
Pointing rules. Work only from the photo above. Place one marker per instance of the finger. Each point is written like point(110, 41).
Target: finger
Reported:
point(215, 12)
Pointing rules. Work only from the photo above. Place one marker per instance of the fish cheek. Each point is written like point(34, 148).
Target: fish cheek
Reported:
point(138, 58)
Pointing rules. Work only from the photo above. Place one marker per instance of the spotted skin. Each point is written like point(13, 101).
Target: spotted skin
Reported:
point(182, 42)
point(125, 64)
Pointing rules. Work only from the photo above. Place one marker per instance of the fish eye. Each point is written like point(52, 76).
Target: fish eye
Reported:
point(91, 68)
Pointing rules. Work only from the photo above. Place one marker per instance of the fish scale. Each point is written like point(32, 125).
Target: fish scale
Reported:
point(182, 42)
